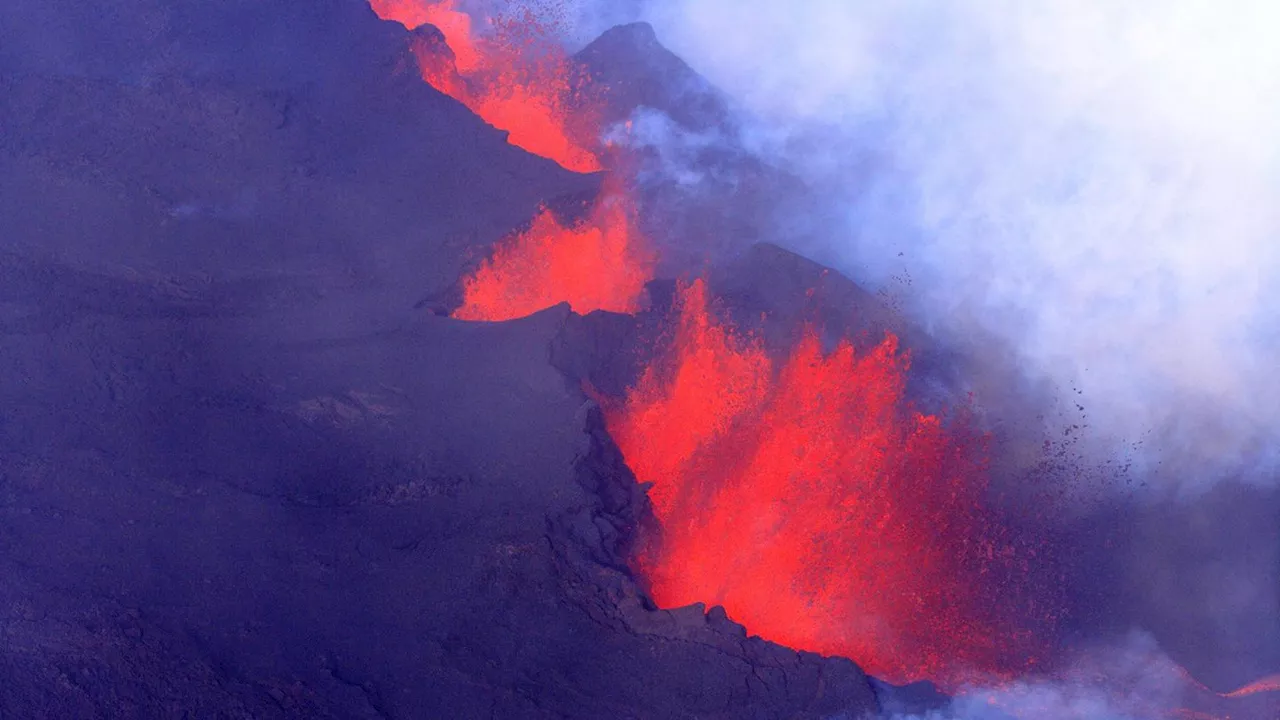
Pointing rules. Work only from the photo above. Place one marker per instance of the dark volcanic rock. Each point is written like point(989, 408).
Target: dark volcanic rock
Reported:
point(796, 292)
point(772, 294)
point(780, 293)
point(425, 522)
point(916, 699)
point(283, 42)
point(631, 69)
point(704, 196)
point(602, 350)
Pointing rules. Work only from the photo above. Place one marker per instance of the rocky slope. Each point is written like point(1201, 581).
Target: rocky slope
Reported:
point(425, 522)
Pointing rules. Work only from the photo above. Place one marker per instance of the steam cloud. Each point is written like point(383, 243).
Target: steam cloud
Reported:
point(1092, 183)
point(1129, 680)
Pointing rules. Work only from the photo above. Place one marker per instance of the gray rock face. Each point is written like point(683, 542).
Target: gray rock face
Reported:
point(632, 69)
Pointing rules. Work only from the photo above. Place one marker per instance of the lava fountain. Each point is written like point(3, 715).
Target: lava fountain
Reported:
point(599, 264)
point(819, 508)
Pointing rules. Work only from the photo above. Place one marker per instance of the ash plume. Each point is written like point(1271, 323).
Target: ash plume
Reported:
point(1089, 185)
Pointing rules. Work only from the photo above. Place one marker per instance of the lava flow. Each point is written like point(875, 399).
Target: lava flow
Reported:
point(518, 81)
point(817, 507)
point(514, 78)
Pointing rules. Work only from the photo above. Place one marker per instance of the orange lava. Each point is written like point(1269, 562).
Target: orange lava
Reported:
point(811, 501)
point(601, 264)
point(454, 24)
point(516, 79)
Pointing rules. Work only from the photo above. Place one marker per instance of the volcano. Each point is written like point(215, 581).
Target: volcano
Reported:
point(244, 473)
point(328, 396)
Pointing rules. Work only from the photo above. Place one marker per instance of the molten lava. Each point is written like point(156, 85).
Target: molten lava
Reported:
point(816, 506)
point(519, 81)
point(454, 24)
point(515, 79)
point(600, 264)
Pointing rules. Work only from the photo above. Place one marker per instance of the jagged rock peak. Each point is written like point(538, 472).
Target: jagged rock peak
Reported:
point(638, 34)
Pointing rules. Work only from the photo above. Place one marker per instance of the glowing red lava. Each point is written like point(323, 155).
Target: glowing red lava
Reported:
point(600, 264)
point(519, 81)
point(815, 505)
point(514, 78)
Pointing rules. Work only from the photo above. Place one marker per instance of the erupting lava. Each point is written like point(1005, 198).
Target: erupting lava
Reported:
point(816, 506)
point(511, 79)
point(520, 83)
point(600, 264)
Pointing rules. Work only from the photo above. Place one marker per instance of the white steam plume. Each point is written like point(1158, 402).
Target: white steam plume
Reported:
point(1095, 183)
point(1130, 678)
